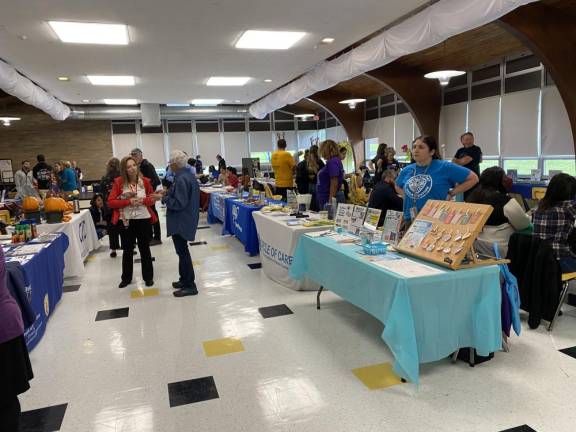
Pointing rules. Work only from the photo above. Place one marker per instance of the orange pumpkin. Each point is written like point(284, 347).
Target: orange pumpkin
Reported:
point(30, 204)
point(52, 205)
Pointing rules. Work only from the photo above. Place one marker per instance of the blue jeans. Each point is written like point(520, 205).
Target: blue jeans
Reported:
point(185, 268)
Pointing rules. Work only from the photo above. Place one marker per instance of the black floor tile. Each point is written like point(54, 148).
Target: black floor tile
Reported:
point(569, 351)
point(47, 419)
point(203, 227)
point(524, 428)
point(274, 311)
point(255, 266)
point(70, 288)
point(198, 243)
point(191, 391)
point(112, 314)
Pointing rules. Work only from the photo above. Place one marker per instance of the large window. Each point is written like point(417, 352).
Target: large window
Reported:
point(567, 166)
point(263, 156)
point(487, 163)
point(523, 167)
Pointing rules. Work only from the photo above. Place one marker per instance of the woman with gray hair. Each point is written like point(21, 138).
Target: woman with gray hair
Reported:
point(182, 202)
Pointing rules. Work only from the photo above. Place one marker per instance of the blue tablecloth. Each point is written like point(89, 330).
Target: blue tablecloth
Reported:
point(426, 318)
point(44, 277)
point(240, 223)
point(525, 189)
point(217, 208)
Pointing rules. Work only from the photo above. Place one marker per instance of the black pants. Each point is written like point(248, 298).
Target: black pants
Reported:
point(137, 230)
point(114, 237)
point(10, 415)
point(185, 267)
point(155, 229)
point(284, 192)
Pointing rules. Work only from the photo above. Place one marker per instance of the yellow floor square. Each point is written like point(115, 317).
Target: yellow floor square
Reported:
point(220, 248)
point(377, 376)
point(148, 292)
point(196, 263)
point(218, 347)
point(89, 258)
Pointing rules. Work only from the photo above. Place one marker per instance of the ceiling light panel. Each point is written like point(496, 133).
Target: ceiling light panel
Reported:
point(206, 102)
point(269, 40)
point(90, 33)
point(227, 81)
point(121, 101)
point(107, 80)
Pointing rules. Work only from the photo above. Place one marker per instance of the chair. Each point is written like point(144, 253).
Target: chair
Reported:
point(566, 289)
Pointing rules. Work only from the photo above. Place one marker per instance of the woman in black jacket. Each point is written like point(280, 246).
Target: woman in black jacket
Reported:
point(112, 171)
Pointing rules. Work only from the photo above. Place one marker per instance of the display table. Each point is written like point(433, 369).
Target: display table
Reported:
point(82, 238)
point(525, 188)
point(426, 318)
point(42, 278)
point(217, 207)
point(239, 222)
point(277, 244)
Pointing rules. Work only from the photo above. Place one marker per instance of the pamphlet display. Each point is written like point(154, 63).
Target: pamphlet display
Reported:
point(444, 233)
point(391, 228)
point(372, 218)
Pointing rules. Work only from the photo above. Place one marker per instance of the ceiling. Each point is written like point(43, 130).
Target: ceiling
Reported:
point(176, 45)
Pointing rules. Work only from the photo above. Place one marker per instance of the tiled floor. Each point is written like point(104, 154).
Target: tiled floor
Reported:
point(150, 370)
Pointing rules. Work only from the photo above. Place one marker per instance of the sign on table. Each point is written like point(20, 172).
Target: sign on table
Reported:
point(392, 222)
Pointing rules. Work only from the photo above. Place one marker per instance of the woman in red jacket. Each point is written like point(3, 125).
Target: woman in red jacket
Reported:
point(131, 198)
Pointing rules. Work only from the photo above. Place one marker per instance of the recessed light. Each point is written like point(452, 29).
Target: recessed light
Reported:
point(267, 80)
point(85, 100)
point(327, 40)
point(227, 81)
point(108, 80)
point(206, 102)
point(121, 101)
point(90, 33)
point(63, 78)
point(273, 40)
point(237, 101)
point(177, 105)
point(303, 116)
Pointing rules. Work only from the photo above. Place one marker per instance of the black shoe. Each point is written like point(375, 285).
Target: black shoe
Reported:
point(155, 242)
point(177, 285)
point(149, 283)
point(124, 284)
point(185, 292)
point(113, 254)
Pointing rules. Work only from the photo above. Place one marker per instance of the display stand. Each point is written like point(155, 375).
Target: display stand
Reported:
point(444, 233)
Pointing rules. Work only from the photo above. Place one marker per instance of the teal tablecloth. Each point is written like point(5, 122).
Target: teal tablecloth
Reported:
point(426, 318)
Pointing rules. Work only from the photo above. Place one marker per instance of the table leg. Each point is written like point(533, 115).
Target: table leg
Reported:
point(455, 355)
point(318, 297)
point(471, 357)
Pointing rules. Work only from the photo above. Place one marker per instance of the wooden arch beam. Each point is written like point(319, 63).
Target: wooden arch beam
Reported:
point(351, 120)
point(422, 96)
point(550, 34)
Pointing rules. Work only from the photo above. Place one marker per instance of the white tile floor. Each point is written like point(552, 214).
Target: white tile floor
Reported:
point(295, 373)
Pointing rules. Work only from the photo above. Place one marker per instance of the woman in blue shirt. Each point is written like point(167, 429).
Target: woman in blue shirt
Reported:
point(67, 176)
point(430, 178)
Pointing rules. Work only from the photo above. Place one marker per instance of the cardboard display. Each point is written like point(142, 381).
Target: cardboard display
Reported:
point(444, 233)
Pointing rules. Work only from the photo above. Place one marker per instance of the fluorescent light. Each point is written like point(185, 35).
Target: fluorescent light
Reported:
point(90, 33)
point(227, 81)
point(303, 116)
point(177, 105)
point(206, 102)
point(327, 40)
point(237, 101)
point(107, 80)
point(267, 80)
point(85, 100)
point(63, 78)
point(6, 120)
point(273, 40)
point(352, 102)
point(121, 101)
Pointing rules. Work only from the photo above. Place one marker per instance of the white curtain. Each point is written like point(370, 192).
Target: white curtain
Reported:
point(305, 137)
point(291, 140)
point(452, 125)
point(386, 131)
point(260, 142)
point(557, 137)
point(183, 141)
point(235, 147)
point(209, 146)
point(370, 129)
point(337, 134)
point(519, 133)
point(153, 149)
point(404, 130)
point(484, 122)
point(17, 85)
point(123, 144)
point(433, 25)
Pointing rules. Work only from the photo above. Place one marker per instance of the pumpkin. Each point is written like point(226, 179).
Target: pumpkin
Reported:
point(52, 205)
point(30, 204)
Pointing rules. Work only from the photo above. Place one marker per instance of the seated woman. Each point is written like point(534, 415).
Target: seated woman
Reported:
point(100, 215)
point(358, 194)
point(213, 172)
point(384, 196)
point(506, 218)
point(554, 219)
point(231, 177)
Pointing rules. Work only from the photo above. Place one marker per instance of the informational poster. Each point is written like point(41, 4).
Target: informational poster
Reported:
point(358, 217)
point(291, 199)
point(344, 214)
point(418, 231)
point(536, 175)
point(513, 174)
point(372, 218)
point(392, 222)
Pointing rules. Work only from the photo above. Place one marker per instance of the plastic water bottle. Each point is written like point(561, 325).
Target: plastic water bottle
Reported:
point(330, 209)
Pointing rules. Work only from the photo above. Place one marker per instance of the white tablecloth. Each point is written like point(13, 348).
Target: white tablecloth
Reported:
point(82, 240)
point(277, 244)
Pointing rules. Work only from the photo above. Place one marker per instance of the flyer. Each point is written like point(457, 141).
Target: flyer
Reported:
point(391, 230)
point(344, 215)
point(418, 230)
point(408, 268)
point(372, 219)
point(358, 216)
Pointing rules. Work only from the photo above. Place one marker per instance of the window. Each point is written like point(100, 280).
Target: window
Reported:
point(567, 166)
point(487, 163)
point(524, 167)
point(263, 156)
point(371, 145)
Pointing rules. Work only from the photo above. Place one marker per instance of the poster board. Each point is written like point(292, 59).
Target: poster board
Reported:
point(444, 233)
point(391, 227)
point(6, 171)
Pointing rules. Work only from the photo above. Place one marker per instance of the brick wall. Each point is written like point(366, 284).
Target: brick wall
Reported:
point(89, 142)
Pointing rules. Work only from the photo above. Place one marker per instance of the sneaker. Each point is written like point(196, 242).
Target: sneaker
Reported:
point(124, 284)
point(185, 292)
point(113, 254)
point(155, 242)
point(177, 285)
point(149, 283)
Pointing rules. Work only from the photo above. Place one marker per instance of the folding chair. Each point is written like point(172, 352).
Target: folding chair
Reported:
point(566, 279)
